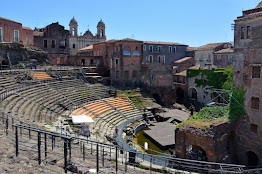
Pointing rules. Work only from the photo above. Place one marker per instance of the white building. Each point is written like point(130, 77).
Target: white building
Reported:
point(77, 42)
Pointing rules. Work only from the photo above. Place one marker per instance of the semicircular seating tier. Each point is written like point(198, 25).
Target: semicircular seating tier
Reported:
point(101, 107)
point(40, 75)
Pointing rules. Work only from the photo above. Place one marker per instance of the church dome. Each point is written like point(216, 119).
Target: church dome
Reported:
point(259, 5)
point(101, 24)
point(73, 22)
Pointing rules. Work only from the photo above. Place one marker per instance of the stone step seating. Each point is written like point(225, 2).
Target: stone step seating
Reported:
point(107, 122)
point(100, 107)
point(100, 90)
point(40, 75)
point(8, 82)
point(37, 99)
point(75, 90)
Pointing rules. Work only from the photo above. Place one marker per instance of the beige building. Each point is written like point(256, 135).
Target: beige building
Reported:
point(205, 54)
point(77, 42)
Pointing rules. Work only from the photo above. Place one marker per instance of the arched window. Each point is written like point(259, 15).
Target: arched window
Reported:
point(159, 59)
point(135, 74)
point(74, 45)
point(192, 93)
point(101, 33)
point(127, 51)
point(74, 32)
point(136, 52)
point(126, 74)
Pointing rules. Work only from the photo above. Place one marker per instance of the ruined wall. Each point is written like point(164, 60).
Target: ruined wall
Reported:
point(213, 139)
point(16, 52)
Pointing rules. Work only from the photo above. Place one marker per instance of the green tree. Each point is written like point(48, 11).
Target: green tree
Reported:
point(236, 108)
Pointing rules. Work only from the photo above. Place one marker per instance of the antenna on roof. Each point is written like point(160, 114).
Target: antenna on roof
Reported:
point(88, 27)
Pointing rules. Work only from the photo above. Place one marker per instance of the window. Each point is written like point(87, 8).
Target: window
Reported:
point(27, 40)
point(159, 59)
point(230, 59)
point(153, 77)
point(164, 59)
point(170, 49)
point(144, 47)
point(174, 50)
point(16, 36)
point(255, 103)
point(74, 32)
point(202, 57)
point(53, 43)
point(74, 46)
point(62, 44)
point(101, 33)
point(248, 32)
point(45, 43)
point(117, 74)
point(127, 51)
point(253, 128)
point(159, 49)
point(136, 52)
point(242, 32)
point(60, 33)
point(150, 59)
point(117, 62)
point(53, 32)
point(256, 71)
point(209, 57)
point(135, 73)
point(126, 74)
point(1, 34)
point(150, 48)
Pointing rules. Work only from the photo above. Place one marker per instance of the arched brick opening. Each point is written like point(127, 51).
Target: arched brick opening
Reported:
point(252, 159)
point(195, 152)
point(179, 95)
point(157, 98)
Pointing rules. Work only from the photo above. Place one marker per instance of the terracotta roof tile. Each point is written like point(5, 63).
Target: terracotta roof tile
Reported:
point(90, 47)
point(10, 20)
point(38, 33)
point(210, 46)
point(183, 59)
point(27, 28)
point(227, 50)
point(163, 43)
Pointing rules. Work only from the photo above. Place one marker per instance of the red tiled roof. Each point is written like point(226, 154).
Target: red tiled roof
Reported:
point(38, 33)
point(27, 28)
point(10, 20)
point(183, 73)
point(226, 50)
point(191, 48)
point(163, 43)
point(90, 47)
point(122, 40)
point(210, 46)
point(183, 59)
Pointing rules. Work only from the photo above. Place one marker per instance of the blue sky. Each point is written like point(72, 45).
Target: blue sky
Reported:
point(191, 22)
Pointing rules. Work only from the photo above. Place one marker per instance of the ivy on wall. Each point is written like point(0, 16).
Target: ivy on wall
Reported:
point(213, 77)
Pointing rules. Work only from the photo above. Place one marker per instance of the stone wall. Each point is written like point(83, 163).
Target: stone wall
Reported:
point(16, 52)
point(247, 55)
point(213, 139)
